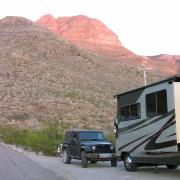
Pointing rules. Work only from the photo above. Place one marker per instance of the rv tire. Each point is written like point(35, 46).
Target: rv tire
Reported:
point(172, 166)
point(129, 164)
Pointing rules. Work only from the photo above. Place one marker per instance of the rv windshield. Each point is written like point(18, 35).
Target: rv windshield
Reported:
point(91, 136)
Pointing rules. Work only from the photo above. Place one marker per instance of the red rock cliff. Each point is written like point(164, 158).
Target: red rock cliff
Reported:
point(80, 29)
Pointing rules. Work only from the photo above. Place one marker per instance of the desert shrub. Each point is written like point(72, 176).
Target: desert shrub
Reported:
point(110, 137)
point(45, 140)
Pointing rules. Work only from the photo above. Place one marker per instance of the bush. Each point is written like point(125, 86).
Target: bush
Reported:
point(111, 137)
point(45, 140)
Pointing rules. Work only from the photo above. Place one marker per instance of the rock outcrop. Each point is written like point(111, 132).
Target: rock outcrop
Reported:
point(94, 36)
point(81, 29)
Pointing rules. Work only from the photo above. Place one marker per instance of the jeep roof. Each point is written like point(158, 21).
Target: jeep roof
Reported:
point(83, 131)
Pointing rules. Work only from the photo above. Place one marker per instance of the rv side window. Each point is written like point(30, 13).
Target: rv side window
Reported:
point(162, 102)
point(130, 112)
point(156, 103)
point(151, 104)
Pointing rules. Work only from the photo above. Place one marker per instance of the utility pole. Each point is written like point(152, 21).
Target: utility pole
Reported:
point(145, 76)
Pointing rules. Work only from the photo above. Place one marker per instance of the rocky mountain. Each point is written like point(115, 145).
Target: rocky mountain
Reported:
point(89, 34)
point(46, 78)
point(173, 61)
point(81, 29)
point(92, 35)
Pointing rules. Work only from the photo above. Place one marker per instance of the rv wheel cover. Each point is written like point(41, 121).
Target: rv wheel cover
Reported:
point(129, 164)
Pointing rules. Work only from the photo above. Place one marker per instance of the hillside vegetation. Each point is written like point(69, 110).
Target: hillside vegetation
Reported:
point(45, 78)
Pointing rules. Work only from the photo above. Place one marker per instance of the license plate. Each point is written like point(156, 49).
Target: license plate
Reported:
point(105, 155)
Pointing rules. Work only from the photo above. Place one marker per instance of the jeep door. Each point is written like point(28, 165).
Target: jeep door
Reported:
point(75, 145)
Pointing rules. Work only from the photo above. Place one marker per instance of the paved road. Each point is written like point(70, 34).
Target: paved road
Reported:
point(16, 166)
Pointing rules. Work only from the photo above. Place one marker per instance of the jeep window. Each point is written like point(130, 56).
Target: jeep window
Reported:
point(69, 137)
point(91, 136)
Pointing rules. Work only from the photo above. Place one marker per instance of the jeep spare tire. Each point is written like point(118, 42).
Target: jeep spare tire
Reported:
point(84, 161)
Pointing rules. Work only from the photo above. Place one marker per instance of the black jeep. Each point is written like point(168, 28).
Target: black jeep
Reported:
point(87, 145)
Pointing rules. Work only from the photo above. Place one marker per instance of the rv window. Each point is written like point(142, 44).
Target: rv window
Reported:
point(130, 112)
point(161, 102)
point(151, 104)
point(156, 103)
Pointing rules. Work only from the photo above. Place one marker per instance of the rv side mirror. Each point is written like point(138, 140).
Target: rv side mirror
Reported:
point(116, 122)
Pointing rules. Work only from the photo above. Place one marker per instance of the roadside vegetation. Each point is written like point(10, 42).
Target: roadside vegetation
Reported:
point(110, 137)
point(45, 140)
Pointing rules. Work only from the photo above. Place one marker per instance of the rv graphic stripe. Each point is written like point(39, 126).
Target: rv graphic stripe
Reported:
point(156, 135)
point(152, 145)
point(122, 147)
point(154, 121)
point(172, 135)
point(124, 129)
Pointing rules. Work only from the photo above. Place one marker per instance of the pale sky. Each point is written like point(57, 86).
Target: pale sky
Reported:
point(146, 27)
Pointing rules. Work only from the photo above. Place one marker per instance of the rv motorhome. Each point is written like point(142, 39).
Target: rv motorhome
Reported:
point(148, 125)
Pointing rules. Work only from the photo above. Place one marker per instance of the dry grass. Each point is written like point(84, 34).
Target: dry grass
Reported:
point(45, 78)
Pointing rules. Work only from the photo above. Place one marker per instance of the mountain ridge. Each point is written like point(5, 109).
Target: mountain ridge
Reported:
point(87, 33)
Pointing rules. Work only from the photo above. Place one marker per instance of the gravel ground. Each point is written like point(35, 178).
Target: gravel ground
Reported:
point(103, 170)
point(99, 171)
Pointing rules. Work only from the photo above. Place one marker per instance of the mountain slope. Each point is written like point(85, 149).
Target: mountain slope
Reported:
point(45, 78)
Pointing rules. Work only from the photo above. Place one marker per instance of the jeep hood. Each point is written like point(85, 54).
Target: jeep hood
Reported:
point(89, 143)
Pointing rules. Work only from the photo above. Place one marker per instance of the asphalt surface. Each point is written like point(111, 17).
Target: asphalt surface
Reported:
point(16, 166)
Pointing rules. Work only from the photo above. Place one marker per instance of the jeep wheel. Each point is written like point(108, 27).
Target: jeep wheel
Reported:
point(66, 158)
point(114, 162)
point(129, 164)
point(84, 161)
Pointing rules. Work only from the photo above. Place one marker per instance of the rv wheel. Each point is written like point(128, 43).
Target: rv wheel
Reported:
point(129, 164)
point(171, 166)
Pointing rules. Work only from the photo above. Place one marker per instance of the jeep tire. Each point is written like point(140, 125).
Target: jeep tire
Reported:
point(66, 157)
point(114, 162)
point(84, 161)
point(93, 162)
